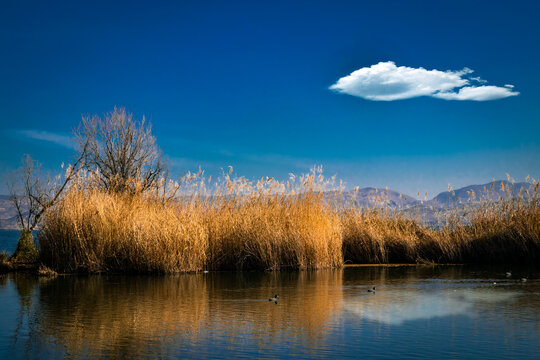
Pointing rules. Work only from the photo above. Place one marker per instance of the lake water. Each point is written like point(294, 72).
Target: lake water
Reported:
point(416, 312)
point(8, 240)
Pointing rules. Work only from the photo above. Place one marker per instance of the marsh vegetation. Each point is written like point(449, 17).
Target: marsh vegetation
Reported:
point(270, 225)
point(117, 210)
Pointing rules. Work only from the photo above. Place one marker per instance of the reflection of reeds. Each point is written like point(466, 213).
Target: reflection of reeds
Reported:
point(98, 314)
point(199, 315)
point(125, 317)
point(3, 279)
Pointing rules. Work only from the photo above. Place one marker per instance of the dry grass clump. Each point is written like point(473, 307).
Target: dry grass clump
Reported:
point(272, 225)
point(494, 231)
point(91, 230)
point(378, 237)
point(507, 231)
point(268, 224)
point(185, 227)
point(375, 237)
point(46, 272)
point(303, 223)
point(273, 233)
point(5, 265)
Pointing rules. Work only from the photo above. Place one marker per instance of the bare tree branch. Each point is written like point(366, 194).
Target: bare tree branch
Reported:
point(37, 193)
point(121, 152)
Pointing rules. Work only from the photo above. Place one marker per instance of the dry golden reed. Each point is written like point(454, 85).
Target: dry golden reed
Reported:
point(494, 230)
point(271, 225)
point(273, 232)
point(239, 225)
point(95, 231)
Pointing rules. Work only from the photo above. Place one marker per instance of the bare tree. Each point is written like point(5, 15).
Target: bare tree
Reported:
point(32, 195)
point(121, 152)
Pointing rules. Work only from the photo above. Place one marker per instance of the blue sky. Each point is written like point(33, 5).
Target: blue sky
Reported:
point(248, 84)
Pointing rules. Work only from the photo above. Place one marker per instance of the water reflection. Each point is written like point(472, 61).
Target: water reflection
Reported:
point(319, 313)
point(129, 316)
point(395, 306)
point(422, 293)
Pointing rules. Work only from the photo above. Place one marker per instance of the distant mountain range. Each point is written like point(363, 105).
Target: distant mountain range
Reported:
point(474, 193)
point(375, 197)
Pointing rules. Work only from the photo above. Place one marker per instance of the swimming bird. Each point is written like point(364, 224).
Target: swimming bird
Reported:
point(523, 279)
point(371, 290)
point(508, 274)
point(274, 298)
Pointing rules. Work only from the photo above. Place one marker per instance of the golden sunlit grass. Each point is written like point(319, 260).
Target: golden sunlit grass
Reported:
point(91, 230)
point(240, 225)
point(272, 233)
point(503, 231)
point(495, 230)
point(375, 236)
point(234, 223)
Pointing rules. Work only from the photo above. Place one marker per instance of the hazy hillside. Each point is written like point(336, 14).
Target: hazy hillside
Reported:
point(475, 193)
point(374, 197)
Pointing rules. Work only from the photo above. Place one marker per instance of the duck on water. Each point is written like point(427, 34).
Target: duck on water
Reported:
point(274, 299)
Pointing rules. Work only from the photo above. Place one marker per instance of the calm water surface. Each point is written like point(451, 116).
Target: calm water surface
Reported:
point(8, 240)
point(416, 312)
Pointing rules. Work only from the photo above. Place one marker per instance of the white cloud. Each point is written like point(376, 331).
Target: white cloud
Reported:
point(56, 138)
point(386, 82)
point(478, 79)
point(477, 93)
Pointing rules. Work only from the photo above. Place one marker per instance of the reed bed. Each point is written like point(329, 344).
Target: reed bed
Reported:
point(233, 223)
point(506, 231)
point(184, 227)
point(90, 230)
point(375, 236)
point(502, 230)
point(273, 232)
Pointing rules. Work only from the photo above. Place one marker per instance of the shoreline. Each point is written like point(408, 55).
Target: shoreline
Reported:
point(41, 270)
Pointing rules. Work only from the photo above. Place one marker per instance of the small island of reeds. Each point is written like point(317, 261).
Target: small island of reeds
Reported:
point(114, 214)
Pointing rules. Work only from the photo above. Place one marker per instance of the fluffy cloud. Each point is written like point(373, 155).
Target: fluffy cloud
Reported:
point(385, 81)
